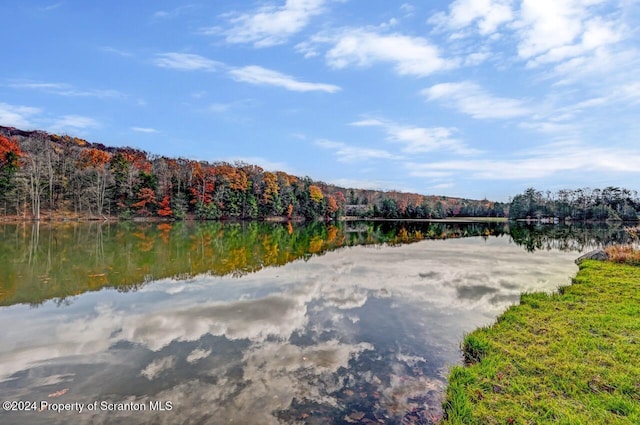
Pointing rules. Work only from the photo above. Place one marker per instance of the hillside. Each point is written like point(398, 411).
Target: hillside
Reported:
point(46, 175)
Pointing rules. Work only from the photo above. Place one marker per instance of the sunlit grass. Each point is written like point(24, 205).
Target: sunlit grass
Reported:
point(567, 358)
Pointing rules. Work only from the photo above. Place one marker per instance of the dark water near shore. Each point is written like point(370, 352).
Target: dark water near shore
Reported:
point(257, 323)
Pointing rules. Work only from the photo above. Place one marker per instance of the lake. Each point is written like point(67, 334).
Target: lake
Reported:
point(256, 323)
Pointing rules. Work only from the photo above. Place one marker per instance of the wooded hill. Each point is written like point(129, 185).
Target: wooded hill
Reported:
point(585, 204)
point(46, 175)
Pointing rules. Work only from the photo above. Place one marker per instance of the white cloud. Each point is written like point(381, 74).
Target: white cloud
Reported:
point(51, 7)
point(471, 99)
point(17, 116)
point(63, 89)
point(271, 25)
point(487, 15)
point(73, 122)
point(365, 47)
point(185, 62)
point(264, 163)
point(552, 30)
point(198, 354)
point(442, 186)
point(347, 153)
point(420, 139)
point(157, 366)
point(167, 14)
point(261, 76)
point(144, 129)
point(542, 162)
point(560, 37)
point(408, 9)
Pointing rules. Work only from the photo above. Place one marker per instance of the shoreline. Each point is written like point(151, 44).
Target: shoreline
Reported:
point(569, 357)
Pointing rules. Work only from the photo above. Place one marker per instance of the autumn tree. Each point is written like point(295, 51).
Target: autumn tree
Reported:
point(315, 194)
point(9, 163)
point(332, 205)
point(36, 169)
point(270, 194)
point(146, 199)
point(96, 161)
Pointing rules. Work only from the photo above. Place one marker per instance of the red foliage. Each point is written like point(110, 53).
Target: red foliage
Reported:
point(6, 146)
point(203, 187)
point(136, 158)
point(147, 197)
point(164, 207)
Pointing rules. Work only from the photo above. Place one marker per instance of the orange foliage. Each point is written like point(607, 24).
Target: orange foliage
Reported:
point(235, 178)
point(332, 204)
point(94, 157)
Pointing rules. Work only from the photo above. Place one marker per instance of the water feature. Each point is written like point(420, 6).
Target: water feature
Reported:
point(256, 322)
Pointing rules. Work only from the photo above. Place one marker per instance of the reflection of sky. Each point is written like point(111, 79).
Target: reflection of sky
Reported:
point(355, 329)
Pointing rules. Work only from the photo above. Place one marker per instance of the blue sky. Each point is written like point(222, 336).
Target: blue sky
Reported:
point(472, 98)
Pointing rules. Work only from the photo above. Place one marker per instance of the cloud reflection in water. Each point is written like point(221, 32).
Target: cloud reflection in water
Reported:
point(362, 329)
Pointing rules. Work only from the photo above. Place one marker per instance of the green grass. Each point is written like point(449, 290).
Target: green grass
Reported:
point(566, 358)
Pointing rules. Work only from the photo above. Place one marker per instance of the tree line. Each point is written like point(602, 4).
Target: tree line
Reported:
point(610, 203)
point(46, 175)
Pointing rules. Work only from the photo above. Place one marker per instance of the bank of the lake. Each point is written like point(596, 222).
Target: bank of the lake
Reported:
point(567, 358)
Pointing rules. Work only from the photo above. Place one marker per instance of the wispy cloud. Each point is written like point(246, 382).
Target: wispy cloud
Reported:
point(271, 24)
point(73, 122)
point(63, 89)
point(51, 6)
point(370, 184)
point(542, 162)
point(265, 163)
point(144, 130)
point(186, 62)
point(173, 13)
point(118, 52)
point(485, 15)
point(220, 107)
point(364, 47)
point(417, 140)
point(471, 99)
point(251, 74)
point(17, 116)
point(261, 76)
point(347, 153)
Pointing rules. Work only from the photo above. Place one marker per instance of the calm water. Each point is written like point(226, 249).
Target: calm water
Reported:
point(256, 323)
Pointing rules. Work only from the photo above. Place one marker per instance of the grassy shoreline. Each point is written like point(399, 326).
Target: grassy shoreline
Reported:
point(567, 358)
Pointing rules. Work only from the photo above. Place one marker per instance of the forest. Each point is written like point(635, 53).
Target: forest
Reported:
point(585, 204)
point(50, 176)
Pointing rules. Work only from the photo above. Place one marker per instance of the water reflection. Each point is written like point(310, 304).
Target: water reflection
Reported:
point(362, 334)
point(44, 261)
